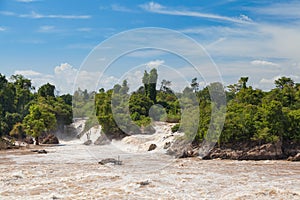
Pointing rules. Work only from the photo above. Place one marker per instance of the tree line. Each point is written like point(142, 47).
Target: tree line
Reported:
point(252, 115)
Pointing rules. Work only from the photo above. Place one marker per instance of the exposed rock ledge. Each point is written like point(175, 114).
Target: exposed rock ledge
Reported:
point(246, 151)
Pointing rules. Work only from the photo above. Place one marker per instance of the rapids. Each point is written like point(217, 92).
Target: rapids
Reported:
point(71, 171)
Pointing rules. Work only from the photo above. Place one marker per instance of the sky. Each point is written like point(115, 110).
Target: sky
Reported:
point(96, 43)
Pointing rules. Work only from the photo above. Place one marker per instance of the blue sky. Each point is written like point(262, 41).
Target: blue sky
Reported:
point(48, 40)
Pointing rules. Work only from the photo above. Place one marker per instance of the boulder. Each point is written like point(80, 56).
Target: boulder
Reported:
point(148, 130)
point(50, 139)
point(182, 149)
point(102, 140)
point(88, 142)
point(152, 147)
point(40, 151)
point(167, 145)
point(294, 158)
point(28, 140)
point(110, 160)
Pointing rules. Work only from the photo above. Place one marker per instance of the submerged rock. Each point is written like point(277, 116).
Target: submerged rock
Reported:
point(40, 151)
point(110, 160)
point(152, 147)
point(143, 183)
point(167, 145)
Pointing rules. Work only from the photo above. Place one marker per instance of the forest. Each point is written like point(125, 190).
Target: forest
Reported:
point(25, 113)
point(252, 115)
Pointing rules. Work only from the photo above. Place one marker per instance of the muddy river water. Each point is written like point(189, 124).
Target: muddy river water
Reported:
point(71, 171)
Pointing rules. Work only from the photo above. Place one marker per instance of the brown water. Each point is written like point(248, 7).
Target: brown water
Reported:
point(71, 171)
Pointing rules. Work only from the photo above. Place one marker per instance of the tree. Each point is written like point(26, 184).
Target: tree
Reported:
point(23, 95)
point(46, 90)
point(284, 81)
point(195, 85)
point(145, 81)
point(165, 85)
point(243, 82)
point(152, 84)
point(38, 121)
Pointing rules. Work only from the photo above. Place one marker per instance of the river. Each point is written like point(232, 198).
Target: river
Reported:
point(71, 171)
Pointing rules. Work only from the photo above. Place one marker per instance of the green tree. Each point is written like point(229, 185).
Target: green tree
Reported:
point(38, 121)
point(46, 90)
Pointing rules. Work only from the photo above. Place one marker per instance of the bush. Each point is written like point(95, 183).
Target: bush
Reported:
point(175, 128)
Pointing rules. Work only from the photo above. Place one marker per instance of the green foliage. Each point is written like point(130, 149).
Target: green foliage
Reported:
point(39, 120)
point(175, 128)
point(46, 90)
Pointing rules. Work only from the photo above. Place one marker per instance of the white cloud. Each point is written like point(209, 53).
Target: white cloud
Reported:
point(80, 46)
point(280, 10)
point(7, 13)
point(154, 63)
point(46, 29)
point(27, 73)
point(2, 29)
point(152, 6)
point(84, 29)
point(263, 63)
point(26, 1)
point(158, 8)
point(146, 53)
point(35, 15)
point(119, 8)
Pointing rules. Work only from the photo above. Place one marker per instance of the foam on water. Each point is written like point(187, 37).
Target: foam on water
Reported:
point(71, 171)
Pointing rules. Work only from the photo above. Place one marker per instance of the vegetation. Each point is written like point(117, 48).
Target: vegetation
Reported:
point(252, 115)
point(25, 112)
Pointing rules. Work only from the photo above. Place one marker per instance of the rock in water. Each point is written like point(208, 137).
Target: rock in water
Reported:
point(143, 183)
point(41, 151)
point(102, 140)
point(152, 147)
point(167, 145)
point(88, 142)
point(50, 139)
point(294, 158)
point(110, 160)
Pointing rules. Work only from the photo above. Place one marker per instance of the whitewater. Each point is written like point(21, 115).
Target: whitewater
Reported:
point(70, 170)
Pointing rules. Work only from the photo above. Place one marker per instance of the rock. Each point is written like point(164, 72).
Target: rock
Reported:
point(40, 151)
point(110, 160)
point(167, 145)
point(102, 140)
point(294, 158)
point(148, 130)
point(143, 183)
point(182, 149)
point(152, 147)
point(264, 152)
point(28, 140)
point(43, 151)
point(88, 142)
point(50, 139)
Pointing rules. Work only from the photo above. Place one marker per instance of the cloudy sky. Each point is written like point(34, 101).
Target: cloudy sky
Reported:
point(54, 41)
